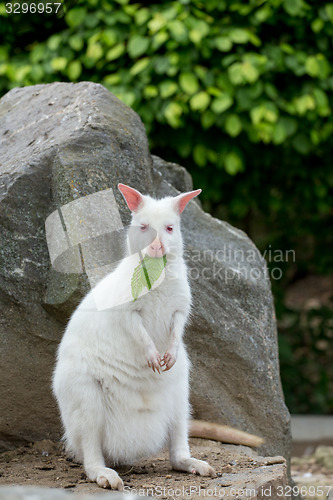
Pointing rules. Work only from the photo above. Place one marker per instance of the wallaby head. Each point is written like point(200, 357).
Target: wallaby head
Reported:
point(155, 226)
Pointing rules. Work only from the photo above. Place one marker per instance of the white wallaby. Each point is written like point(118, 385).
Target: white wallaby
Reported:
point(122, 372)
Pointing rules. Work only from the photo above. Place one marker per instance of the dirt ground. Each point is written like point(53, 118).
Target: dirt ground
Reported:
point(45, 464)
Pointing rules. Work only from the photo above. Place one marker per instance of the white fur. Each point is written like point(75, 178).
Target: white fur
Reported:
point(114, 404)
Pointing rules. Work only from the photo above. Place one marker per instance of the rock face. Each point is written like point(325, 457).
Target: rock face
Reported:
point(61, 142)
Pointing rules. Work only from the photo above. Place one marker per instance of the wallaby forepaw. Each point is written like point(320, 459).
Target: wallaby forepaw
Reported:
point(154, 360)
point(110, 479)
point(168, 360)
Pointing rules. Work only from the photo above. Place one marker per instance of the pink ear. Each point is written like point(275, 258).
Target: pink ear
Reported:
point(182, 200)
point(133, 198)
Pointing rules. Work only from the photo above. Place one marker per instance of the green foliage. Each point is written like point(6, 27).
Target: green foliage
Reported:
point(238, 92)
point(306, 360)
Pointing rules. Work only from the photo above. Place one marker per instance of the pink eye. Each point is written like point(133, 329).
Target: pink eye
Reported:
point(144, 227)
point(169, 229)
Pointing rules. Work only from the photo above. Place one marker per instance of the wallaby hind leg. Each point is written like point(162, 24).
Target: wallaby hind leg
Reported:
point(180, 455)
point(94, 464)
point(83, 417)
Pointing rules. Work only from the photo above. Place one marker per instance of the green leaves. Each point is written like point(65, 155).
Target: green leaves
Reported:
point(188, 83)
point(222, 103)
point(233, 125)
point(76, 16)
point(233, 163)
point(146, 274)
point(200, 101)
point(137, 46)
point(225, 87)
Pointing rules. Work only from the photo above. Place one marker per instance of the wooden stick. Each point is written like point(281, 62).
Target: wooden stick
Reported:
point(223, 433)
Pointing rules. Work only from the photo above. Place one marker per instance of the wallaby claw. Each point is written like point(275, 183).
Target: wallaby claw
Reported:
point(154, 360)
point(168, 361)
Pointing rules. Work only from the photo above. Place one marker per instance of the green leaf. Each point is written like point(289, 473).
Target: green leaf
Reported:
point(168, 88)
point(222, 103)
point(146, 274)
point(150, 91)
point(59, 63)
point(294, 7)
point(233, 163)
point(302, 144)
point(329, 11)
point(289, 124)
point(138, 282)
point(156, 23)
point(267, 112)
point(127, 97)
point(76, 42)
point(54, 42)
point(250, 72)
point(223, 43)
point(142, 16)
point(159, 39)
point(239, 35)
point(114, 79)
point(36, 73)
point(235, 73)
point(116, 51)
point(199, 155)
point(74, 70)
point(95, 51)
point(322, 102)
point(172, 113)
point(178, 31)
point(317, 25)
point(110, 37)
point(139, 66)
point(199, 31)
point(189, 83)
point(304, 103)
point(137, 46)
point(312, 66)
point(279, 133)
point(208, 119)
point(200, 101)
point(76, 16)
point(233, 125)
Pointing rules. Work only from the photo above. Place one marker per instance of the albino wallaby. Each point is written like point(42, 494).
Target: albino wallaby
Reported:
point(122, 372)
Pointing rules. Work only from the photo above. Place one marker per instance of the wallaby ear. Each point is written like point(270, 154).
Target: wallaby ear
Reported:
point(182, 200)
point(133, 198)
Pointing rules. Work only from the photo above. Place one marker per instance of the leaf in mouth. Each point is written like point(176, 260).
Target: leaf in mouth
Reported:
point(146, 273)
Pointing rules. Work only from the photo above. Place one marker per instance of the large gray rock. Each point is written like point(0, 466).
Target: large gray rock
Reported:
point(60, 142)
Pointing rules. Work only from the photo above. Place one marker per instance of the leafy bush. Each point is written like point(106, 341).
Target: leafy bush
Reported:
point(307, 360)
point(238, 92)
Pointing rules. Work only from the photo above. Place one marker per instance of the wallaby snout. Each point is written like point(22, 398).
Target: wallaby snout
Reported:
point(156, 248)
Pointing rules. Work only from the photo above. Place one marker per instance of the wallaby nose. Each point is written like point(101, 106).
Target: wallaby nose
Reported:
point(156, 248)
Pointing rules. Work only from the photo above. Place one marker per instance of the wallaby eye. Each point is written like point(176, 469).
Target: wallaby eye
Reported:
point(169, 229)
point(144, 227)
